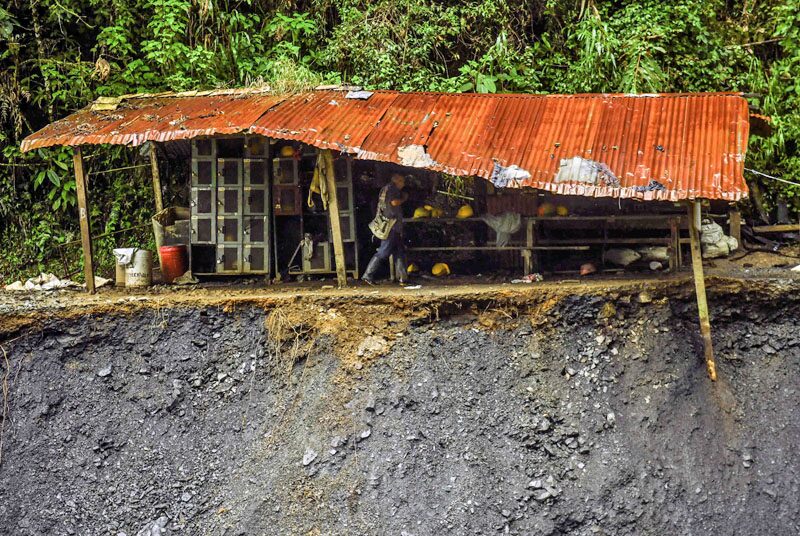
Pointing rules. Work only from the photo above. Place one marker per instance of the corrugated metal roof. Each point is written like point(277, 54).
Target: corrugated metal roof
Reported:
point(138, 119)
point(656, 146)
point(325, 119)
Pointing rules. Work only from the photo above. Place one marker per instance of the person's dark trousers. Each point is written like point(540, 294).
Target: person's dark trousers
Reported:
point(393, 245)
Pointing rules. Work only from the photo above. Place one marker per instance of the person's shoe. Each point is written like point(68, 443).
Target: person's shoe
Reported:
point(372, 269)
point(404, 282)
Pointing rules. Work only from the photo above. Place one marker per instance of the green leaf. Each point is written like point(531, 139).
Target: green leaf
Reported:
point(54, 178)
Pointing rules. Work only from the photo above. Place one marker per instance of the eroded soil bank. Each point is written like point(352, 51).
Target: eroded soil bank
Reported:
point(572, 414)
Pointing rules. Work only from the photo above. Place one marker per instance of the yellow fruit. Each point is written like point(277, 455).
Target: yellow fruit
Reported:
point(287, 151)
point(428, 207)
point(561, 210)
point(412, 268)
point(440, 269)
point(546, 209)
point(421, 212)
point(437, 212)
point(465, 212)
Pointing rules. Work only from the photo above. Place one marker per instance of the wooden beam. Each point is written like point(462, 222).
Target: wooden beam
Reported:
point(497, 248)
point(333, 212)
point(531, 261)
point(735, 218)
point(782, 228)
point(664, 241)
point(156, 177)
point(82, 188)
point(674, 244)
point(700, 288)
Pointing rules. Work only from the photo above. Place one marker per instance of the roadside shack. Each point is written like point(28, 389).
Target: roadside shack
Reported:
point(578, 175)
point(285, 184)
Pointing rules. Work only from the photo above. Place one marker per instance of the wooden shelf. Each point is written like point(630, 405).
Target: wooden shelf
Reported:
point(600, 241)
point(441, 220)
point(495, 248)
point(621, 217)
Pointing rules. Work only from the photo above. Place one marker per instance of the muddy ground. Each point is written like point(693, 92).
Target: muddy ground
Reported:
point(545, 411)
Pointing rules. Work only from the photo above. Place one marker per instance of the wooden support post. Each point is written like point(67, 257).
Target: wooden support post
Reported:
point(156, 177)
point(83, 216)
point(531, 260)
point(674, 243)
point(336, 223)
point(736, 225)
point(700, 288)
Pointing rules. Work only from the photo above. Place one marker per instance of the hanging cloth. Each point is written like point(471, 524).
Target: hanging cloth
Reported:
point(504, 226)
point(319, 184)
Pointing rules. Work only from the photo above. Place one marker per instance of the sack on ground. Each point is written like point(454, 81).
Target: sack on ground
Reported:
point(654, 253)
point(621, 256)
point(710, 232)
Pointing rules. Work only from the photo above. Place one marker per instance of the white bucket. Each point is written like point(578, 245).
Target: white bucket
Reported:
point(139, 273)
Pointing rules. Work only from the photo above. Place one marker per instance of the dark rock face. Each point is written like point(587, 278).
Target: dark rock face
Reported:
point(594, 417)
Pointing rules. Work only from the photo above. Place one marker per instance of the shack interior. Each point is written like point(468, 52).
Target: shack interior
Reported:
point(252, 211)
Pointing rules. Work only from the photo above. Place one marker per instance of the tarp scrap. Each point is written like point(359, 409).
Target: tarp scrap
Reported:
point(508, 176)
point(652, 186)
point(415, 156)
point(577, 169)
point(361, 95)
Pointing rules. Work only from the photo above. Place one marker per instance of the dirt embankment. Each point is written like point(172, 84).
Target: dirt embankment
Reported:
point(554, 412)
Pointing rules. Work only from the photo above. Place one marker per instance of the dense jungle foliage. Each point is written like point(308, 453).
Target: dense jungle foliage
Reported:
point(58, 55)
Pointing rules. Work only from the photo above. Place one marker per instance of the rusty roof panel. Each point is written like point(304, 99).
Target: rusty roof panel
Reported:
point(325, 119)
point(405, 122)
point(651, 147)
point(664, 147)
point(137, 120)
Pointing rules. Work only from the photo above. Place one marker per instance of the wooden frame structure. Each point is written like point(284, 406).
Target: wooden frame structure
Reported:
point(527, 251)
point(673, 224)
point(84, 215)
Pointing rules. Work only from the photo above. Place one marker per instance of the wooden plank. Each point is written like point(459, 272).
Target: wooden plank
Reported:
point(735, 218)
point(494, 248)
point(674, 244)
point(336, 222)
point(782, 228)
point(599, 241)
point(530, 262)
point(441, 220)
point(611, 219)
point(156, 177)
point(82, 189)
point(700, 289)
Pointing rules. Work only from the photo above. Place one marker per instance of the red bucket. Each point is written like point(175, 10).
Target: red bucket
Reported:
point(174, 262)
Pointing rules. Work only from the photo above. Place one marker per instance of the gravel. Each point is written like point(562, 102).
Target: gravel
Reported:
point(592, 417)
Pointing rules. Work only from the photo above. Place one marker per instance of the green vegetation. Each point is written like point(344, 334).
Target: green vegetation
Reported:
point(57, 55)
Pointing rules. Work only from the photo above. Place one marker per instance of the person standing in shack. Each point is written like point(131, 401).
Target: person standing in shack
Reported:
point(388, 227)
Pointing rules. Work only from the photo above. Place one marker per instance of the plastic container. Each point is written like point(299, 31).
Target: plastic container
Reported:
point(139, 273)
point(174, 262)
